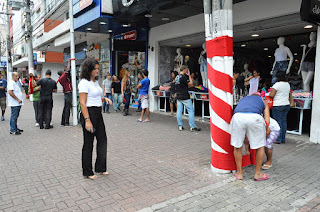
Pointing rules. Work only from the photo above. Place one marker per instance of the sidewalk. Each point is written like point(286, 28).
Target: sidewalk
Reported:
point(152, 166)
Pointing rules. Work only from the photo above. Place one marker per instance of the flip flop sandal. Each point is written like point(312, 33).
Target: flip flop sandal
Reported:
point(104, 173)
point(266, 167)
point(146, 121)
point(139, 121)
point(265, 177)
point(92, 177)
point(237, 177)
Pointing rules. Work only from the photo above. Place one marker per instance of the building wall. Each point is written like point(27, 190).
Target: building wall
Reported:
point(54, 67)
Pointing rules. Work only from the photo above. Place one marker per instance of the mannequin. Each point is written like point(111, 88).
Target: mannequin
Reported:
point(246, 72)
point(186, 60)
point(280, 63)
point(203, 65)
point(178, 60)
point(307, 62)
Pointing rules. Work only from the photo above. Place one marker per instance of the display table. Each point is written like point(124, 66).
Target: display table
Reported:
point(161, 94)
point(300, 104)
point(203, 97)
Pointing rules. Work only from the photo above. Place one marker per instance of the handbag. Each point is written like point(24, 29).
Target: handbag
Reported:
point(269, 100)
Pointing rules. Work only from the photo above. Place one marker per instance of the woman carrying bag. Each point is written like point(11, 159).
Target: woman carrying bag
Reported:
point(91, 98)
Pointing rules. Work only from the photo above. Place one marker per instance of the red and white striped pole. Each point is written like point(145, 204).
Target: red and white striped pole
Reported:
point(219, 42)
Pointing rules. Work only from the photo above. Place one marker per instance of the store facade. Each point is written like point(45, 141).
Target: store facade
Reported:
point(267, 19)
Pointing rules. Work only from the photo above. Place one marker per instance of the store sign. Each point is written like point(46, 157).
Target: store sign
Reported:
point(3, 63)
point(204, 97)
point(132, 35)
point(127, 3)
point(94, 52)
point(310, 11)
point(79, 5)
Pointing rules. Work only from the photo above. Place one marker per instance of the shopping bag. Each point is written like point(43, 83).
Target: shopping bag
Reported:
point(269, 100)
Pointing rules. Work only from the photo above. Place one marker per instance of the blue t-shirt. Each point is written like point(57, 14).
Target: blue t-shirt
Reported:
point(250, 104)
point(145, 86)
point(3, 83)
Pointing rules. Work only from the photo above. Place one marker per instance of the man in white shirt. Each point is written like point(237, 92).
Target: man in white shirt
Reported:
point(15, 101)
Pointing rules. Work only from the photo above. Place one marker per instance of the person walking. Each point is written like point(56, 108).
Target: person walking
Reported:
point(91, 119)
point(248, 121)
point(116, 93)
point(172, 98)
point(15, 101)
point(48, 86)
point(281, 105)
point(35, 96)
point(144, 97)
point(140, 77)
point(182, 82)
point(65, 81)
point(106, 86)
point(3, 96)
point(126, 90)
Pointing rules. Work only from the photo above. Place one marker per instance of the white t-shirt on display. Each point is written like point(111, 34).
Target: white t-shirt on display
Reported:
point(274, 126)
point(94, 92)
point(254, 85)
point(16, 88)
point(282, 96)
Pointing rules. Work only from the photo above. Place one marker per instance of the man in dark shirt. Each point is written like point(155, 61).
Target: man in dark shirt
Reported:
point(65, 81)
point(48, 86)
point(182, 82)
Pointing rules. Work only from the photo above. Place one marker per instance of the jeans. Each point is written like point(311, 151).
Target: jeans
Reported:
point(36, 109)
point(189, 106)
point(45, 111)
point(279, 66)
point(105, 105)
point(279, 113)
point(14, 118)
point(101, 145)
point(67, 108)
point(117, 100)
point(139, 102)
point(127, 96)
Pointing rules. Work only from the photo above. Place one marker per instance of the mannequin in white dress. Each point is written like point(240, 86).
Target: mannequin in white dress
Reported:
point(178, 60)
point(281, 59)
point(203, 65)
point(308, 61)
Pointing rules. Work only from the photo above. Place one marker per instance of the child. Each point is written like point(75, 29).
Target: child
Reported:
point(274, 134)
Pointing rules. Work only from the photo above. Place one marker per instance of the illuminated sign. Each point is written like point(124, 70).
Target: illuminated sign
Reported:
point(79, 5)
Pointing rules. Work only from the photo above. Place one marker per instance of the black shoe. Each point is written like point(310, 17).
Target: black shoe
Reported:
point(67, 125)
point(41, 127)
point(19, 130)
point(195, 129)
point(63, 124)
point(50, 127)
point(108, 112)
point(15, 133)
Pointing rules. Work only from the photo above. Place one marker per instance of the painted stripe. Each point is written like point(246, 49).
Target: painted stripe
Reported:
point(221, 64)
point(221, 138)
point(218, 121)
point(220, 93)
point(220, 46)
point(217, 148)
point(220, 80)
point(222, 108)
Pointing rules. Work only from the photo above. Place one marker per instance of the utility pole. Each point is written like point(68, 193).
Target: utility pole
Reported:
point(29, 37)
point(73, 67)
point(9, 59)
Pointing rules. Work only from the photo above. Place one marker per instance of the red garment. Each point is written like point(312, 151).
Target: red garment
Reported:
point(65, 82)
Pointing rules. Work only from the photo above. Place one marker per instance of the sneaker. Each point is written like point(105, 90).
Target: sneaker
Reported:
point(2, 118)
point(37, 124)
point(107, 112)
point(51, 125)
point(181, 128)
point(19, 130)
point(195, 129)
point(15, 133)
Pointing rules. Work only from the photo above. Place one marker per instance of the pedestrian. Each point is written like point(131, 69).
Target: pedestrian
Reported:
point(253, 81)
point(35, 96)
point(91, 119)
point(144, 90)
point(281, 105)
point(65, 81)
point(3, 96)
point(106, 86)
point(182, 82)
point(272, 137)
point(140, 77)
point(172, 98)
point(116, 93)
point(25, 82)
point(248, 121)
point(15, 101)
point(48, 86)
point(126, 90)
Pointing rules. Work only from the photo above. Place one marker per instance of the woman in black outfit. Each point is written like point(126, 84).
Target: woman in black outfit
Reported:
point(91, 98)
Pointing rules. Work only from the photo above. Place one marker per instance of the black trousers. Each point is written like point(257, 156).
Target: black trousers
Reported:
point(66, 109)
point(36, 110)
point(96, 118)
point(45, 111)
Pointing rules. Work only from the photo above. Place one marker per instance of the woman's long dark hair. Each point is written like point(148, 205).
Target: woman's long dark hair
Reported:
point(87, 67)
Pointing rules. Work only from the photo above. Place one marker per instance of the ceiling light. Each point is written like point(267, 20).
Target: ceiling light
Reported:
point(295, 54)
point(255, 35)
point(109, 30)
point(266, 49)
point(243, 45)
point(188, 45)
point(102, 23)
point(126, 25)
point(308, 27)
point(269, 56)
point(165, 19)
point(89, 29)
point(148, 15)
